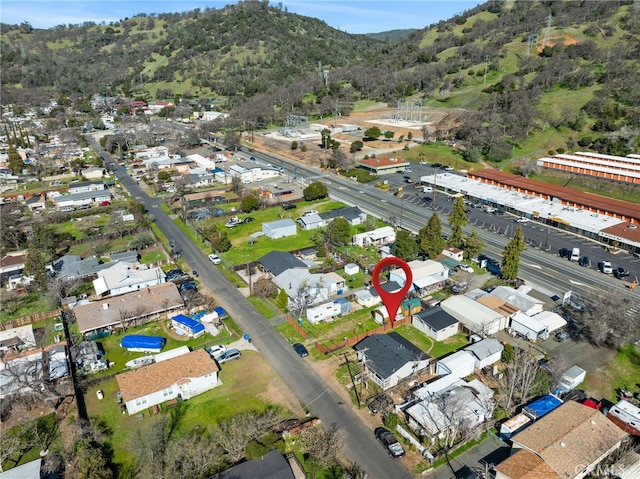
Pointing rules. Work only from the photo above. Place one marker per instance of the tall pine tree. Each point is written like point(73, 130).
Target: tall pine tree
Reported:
point(511, 256)
point(430, 237)
point(457, 220)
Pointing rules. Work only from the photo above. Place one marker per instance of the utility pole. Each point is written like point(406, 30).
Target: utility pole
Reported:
point(353, 381)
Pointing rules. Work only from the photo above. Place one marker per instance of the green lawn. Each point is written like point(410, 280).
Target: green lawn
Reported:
point(623, 372)
point(33, 303)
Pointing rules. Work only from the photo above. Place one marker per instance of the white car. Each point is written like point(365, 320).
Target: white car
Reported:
point(523, 220)
point(310, 212)
point(217, 350)
point(466, 268)
point(100, 394)
point(607, 268)
point(215, 259)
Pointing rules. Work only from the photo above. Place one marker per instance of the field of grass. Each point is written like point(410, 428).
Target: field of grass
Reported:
point(33, 303)
point(623, 372)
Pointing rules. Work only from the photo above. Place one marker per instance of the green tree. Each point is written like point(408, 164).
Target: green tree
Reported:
point(325, 136)
point(15, 160)
point(164, 176)
point(356, 146)
point(473, 245)
point(218, 238)
point(294, 145)
point(249, 203)
point(338, 232)
point(315, 191)
point(389, 134)
point(430, 237)
point(457, 220)
point(405, 247)
point(283, 300)
point(511, 256)
point(34, 263)
point(373, 133)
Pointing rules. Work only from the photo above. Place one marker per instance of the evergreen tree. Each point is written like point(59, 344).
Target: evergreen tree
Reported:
point(473, 245)
point(405, 247)
point(430, 237)
point(34, 263)
point(338, 232)
point(457, 220)
point(511, 256)
point(15, 160)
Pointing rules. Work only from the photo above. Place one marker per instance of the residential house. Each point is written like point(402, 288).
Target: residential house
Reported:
point(367, 297)
point(428, 276)
point(276, 262)
point(123, 278)
point(84, 199)
point(172, 162)
point(552, 321)
point(567, 443)
point(15, 340)
point(272, 465)
point(70, 267)
point(529, 327)
point(36, 203)
point(12, 264)
point(128, 309)
point(458, 406)
point(389, 358)
point(311, 222)
point(324, 312)
point(383, 166)
point(453, 253)
point(28, 470)
point(354, 215)
point(377, 237)
point(474, 316)
point(86, 187)
point(93, 173)
point(435, 323)
point(488, 351)
point(279, 229)
point(182, 377)
point(320, 286)
point(196, 178)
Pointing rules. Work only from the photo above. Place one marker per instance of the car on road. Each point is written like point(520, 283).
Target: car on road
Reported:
point(290, 206)
point(620, 272)
point(437, 165)
point(301, 350)
point(253, 158)
point(606, 267)
point(523, 220)
point(449, 168)
point(214, 258)
point(230, 355)
point(585, 261)
point(389, 441)
point(217, 350)
point(562, 336)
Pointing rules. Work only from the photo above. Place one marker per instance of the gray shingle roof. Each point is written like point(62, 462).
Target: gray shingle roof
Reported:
point(387, 353)
point(278, 262)
point(436, 318)
point(272, 465)
point(346, 212)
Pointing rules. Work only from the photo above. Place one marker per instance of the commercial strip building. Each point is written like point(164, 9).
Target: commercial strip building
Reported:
point(603, 219)
point(619, 168)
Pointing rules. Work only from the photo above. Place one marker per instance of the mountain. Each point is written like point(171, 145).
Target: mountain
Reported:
point(393, 36)
point(515, 77)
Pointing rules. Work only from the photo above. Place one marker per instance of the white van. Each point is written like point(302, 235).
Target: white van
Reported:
point(575, 254)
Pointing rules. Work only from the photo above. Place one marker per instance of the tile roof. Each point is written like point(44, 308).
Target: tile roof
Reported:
point(570, 436)
point(158, 376)
point(526, 465)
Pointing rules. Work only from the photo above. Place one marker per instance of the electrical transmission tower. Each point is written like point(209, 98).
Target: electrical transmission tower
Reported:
point(532, 41)
point(547, 33)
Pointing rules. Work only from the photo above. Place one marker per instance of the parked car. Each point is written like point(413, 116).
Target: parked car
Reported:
point(309, 213)
point(620, 272)
point(188, 286)
point(523, 220)
point(230, 355)
point(562, 336)
point(466, 268)
point(389, 441)
point(585, 261)
point(564, 252)
point(606, 267)
point(381, 402)
point(437, 165)
point(100, 394)
point(301, 350)
point(217, 350)
point(214, 258)
point(289, 206)
point(253, 158)
point(459, 288)
point(449, 168)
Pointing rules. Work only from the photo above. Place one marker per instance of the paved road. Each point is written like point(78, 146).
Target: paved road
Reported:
point(314, 393)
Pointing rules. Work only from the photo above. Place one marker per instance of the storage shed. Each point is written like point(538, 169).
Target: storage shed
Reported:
point(529, 327)
point(459, 364)
point(279, 229)
point(351, 269)
point(516, 424)
point(140, 343)
point(435, 323)
point(572, 378)
point(187, 325)
point(553, 321)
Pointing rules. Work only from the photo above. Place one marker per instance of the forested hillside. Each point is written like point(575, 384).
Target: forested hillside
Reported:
point(512, 73)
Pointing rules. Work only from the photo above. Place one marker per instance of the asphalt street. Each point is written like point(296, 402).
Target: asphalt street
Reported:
point(314, 392)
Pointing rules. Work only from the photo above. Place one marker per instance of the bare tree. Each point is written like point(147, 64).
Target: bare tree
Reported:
point(518, 380)
point(305, 296)
point(234, 433)
point(323, 444)
point(10, 445)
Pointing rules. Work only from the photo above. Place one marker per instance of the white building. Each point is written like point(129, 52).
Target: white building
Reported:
point(377, 237)
point(279, 229)
point(475, 317)
point(323, 312)
point(428, 276)
point(486, 352)
point(459, 364)
point(124, 278)
point(529, 327)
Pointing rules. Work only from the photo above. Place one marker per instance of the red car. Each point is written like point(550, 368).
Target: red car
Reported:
point(104, 203)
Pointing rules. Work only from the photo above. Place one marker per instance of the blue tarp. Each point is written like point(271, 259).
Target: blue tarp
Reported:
point(221, 312)
point(137, 342)
point(194, 326)
point(198, 315)
point(542, 406)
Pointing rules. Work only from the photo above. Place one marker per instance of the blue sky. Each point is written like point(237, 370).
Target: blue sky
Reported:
point(352, 16)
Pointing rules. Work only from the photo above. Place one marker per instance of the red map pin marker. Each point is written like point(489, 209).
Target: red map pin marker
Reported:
point(392, 300)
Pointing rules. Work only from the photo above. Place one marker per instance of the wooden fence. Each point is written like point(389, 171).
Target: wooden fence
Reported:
point(297, 327)
point(34, 318)
point(324, 350)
